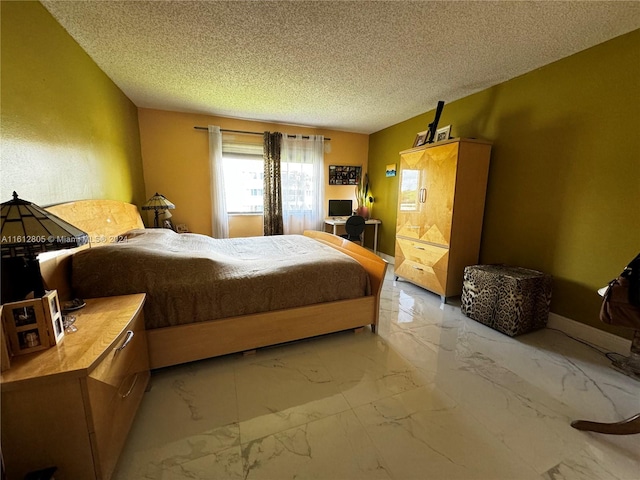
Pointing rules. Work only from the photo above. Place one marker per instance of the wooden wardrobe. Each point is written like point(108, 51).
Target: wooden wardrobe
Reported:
point(441, 199)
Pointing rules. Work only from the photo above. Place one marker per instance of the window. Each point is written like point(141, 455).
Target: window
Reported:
point(297, 191)
point(244, 183)
point(301, 172)
point(244, 177)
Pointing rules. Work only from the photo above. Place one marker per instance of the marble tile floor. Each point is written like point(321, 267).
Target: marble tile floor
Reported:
point(433, 395)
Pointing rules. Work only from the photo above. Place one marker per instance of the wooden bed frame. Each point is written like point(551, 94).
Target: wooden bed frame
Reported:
point(104, 220)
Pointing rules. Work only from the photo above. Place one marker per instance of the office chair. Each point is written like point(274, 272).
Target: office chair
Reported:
point(354, 227)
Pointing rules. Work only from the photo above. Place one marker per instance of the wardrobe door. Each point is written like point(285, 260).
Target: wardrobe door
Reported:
point(409, 216)
point(437, 192)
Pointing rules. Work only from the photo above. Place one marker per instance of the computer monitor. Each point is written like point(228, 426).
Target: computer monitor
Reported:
point(340, 208)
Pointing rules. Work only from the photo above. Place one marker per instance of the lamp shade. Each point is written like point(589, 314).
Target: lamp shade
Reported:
point(158, 202)
point(28, 230)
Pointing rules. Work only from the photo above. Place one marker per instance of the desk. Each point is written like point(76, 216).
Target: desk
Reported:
point(341, 221)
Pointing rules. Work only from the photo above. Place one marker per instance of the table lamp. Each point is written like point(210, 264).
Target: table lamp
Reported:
point(26, 231)
point(158, 203)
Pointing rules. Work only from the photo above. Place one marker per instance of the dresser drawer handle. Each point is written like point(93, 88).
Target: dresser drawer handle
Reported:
point(126, 342)
point(418, 268)
point(418, 248)
point(133, 385)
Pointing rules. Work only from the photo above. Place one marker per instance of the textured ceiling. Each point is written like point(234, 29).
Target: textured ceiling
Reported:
point(358, 66)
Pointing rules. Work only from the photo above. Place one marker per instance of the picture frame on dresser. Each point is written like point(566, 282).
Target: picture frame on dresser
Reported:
point(34, 324)
point(443, 134)
point(421, 138)
point(53, 316)
point(25, 325)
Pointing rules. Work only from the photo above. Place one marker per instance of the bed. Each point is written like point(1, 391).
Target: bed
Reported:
point(298, 305)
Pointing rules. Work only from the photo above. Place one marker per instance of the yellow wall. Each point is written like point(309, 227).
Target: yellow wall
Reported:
point(68, 132)
point(564, 182)
point(176, 164)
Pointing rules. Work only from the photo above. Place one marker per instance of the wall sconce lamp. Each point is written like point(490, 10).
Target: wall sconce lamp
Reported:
point(158, 203)
point(28, 230)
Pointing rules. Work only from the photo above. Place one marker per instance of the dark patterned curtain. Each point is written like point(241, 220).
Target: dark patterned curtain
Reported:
point(272, 184)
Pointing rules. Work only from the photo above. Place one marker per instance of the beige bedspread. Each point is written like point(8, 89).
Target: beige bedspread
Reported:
point(192, 278)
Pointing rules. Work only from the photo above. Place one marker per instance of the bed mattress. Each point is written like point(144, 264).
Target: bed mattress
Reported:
point(193, 278)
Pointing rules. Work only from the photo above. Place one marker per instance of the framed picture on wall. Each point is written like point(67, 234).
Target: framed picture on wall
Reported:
point(391, 170)
point(344, 174)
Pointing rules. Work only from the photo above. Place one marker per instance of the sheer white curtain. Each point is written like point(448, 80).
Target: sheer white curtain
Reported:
point(219, 217)
point(302, 173)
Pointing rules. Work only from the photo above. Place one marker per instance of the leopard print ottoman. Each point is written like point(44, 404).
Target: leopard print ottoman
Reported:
point(512, 300)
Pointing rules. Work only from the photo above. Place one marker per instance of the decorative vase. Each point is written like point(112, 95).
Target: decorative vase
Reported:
point(363, 212)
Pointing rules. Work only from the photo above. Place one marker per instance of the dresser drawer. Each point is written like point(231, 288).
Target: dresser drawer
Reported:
point(422, 263)
point(115, 388)
point(422, 253)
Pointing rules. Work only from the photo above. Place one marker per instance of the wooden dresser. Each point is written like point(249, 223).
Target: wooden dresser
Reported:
point(72, 405)
point(440, 210)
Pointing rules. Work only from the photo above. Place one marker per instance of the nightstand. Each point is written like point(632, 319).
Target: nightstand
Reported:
point(72, 405)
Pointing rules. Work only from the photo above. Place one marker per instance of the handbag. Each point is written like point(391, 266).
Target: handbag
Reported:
point(621, 303)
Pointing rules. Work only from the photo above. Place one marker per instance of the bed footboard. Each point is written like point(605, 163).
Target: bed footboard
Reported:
point(197, 341)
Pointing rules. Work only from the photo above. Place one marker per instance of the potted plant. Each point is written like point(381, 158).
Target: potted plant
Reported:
point(363, 196)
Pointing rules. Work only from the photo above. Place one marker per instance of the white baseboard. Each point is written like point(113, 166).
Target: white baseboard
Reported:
point(605, 340)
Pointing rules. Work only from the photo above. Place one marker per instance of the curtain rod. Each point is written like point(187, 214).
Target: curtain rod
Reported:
point(249, 133)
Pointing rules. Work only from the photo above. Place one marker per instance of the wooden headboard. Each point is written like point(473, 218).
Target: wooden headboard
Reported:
point(103, 220)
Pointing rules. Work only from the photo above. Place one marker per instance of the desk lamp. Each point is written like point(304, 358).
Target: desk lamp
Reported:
point(158, 203)
point(28, 230)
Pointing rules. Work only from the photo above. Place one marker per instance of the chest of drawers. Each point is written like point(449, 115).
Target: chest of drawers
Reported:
point(71, 406)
